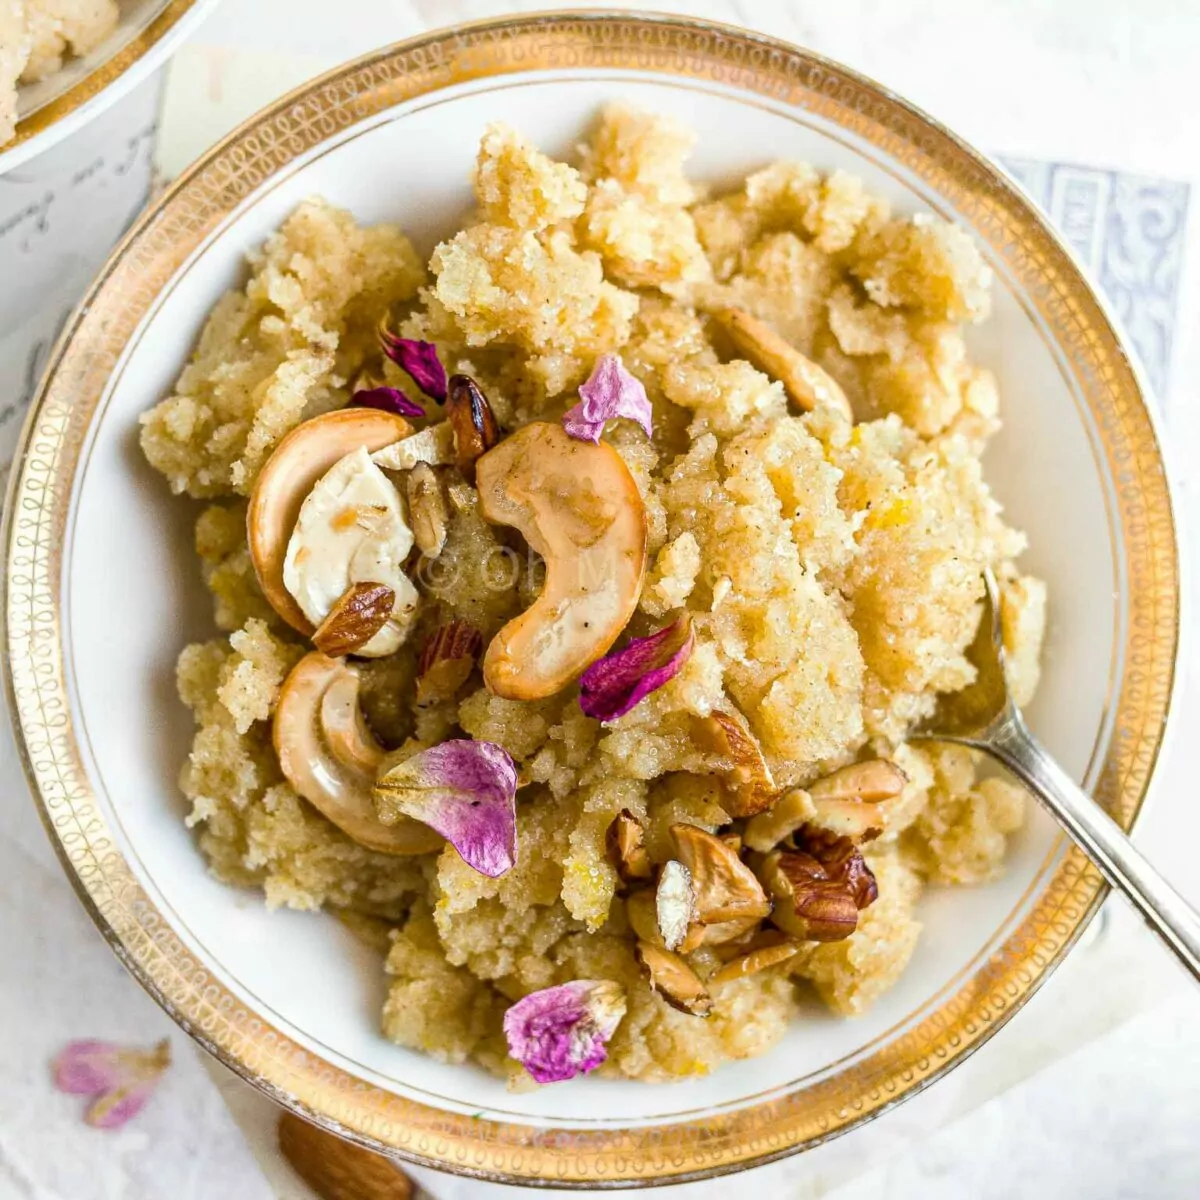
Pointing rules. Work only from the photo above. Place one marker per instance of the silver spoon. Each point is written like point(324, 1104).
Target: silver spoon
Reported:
point(984, 717)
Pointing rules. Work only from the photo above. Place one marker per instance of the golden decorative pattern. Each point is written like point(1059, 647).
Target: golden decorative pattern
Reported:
point(94, 82)
point(37, 511)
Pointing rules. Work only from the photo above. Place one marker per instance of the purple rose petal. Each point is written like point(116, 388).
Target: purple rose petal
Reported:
point(387, 399)
point(613, 685)
point(610, 392)
point(466, 791)
point(563, 1031)
point(419, 359)
point(120, 1079)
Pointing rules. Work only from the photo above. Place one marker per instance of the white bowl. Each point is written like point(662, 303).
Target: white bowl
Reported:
point(146, 35)
point(103, 591)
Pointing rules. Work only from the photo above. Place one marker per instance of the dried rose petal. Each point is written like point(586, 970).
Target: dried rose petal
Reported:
point(563, 1031)
point(419, 359)
point(464, 789)
point(387, 399)
point(613, 685)
point(120, 1079)
point(610, 392)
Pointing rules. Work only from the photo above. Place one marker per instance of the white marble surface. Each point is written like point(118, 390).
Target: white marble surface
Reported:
point(1089, 1092)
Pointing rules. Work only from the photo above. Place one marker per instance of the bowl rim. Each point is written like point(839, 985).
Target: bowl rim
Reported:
point(196, 204)
point(87, 97)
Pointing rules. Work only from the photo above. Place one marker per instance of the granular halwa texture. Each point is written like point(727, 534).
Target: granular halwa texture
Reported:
point(831, 569)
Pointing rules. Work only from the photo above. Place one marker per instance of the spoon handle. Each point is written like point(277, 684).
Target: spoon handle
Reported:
point(1099, 836)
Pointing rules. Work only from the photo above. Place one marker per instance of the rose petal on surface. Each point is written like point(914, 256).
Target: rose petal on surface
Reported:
point(419, 359)
point(464, 789)
point(614, 684)
point(387, 399)
point(563, 1031)
point(610, 392)
point(121, 1079)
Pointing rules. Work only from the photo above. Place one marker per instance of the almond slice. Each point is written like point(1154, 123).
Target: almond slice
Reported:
point(757, 960)
point(359, 614)
point(725, 890)
point(674, 904)
point(674, 980)
point(625, 841)
point(808, 386)
point(792, 810)
point(427, 511)
point(849, 802)
point(748, 784)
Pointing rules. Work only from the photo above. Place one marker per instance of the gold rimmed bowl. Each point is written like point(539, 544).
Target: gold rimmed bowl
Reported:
point(146, 34)
point(101, 593)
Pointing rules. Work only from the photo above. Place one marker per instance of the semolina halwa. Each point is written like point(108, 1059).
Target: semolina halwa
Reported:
point(35, 38)
point(822, 574)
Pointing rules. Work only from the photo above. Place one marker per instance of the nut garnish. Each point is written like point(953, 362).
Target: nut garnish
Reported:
point(748, 784)
point(674, 980)
point(808, 904)
point(580, 509)
point(674, 903)
point(328, 754)
point(447, 659)
point(286, 480)
point(427, 511)
point(842, 860)
point(359, 614)
point(625, 841)
point(792, 810)
point(768, 953)
point(642, 910)
point(808, 385)
point(725, 890)
point(820, 888)
point(433, 445)
point(849, 802)
point(470, 415)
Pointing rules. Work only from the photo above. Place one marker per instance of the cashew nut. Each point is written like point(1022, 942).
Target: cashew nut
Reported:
point(328, 754)
point(287, 478)
point(579, 508)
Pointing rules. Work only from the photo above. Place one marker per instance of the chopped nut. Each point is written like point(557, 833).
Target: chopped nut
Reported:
point(361, 612)
point(749, 787)
point(475, 428)
point(790, 812)
point(870, 781)
point(809, 904)
point(733, 841)
point(625, 841)
point(427, 511)
point(842, 860)
point(580, 509)
point(674, 980)
point(674, 904)
point(848, 802)
point(642, 910)
point(725, 890)
point(447, 659)
point(433, 445)
point(807, 385)
point(758, 959)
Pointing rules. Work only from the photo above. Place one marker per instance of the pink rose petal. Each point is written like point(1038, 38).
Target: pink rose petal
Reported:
point(419, 359)
point(610, 392)
point(387, 399)
point(465, 790)
point(563, 1031)
point(121, 1079)
point(613, 685)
